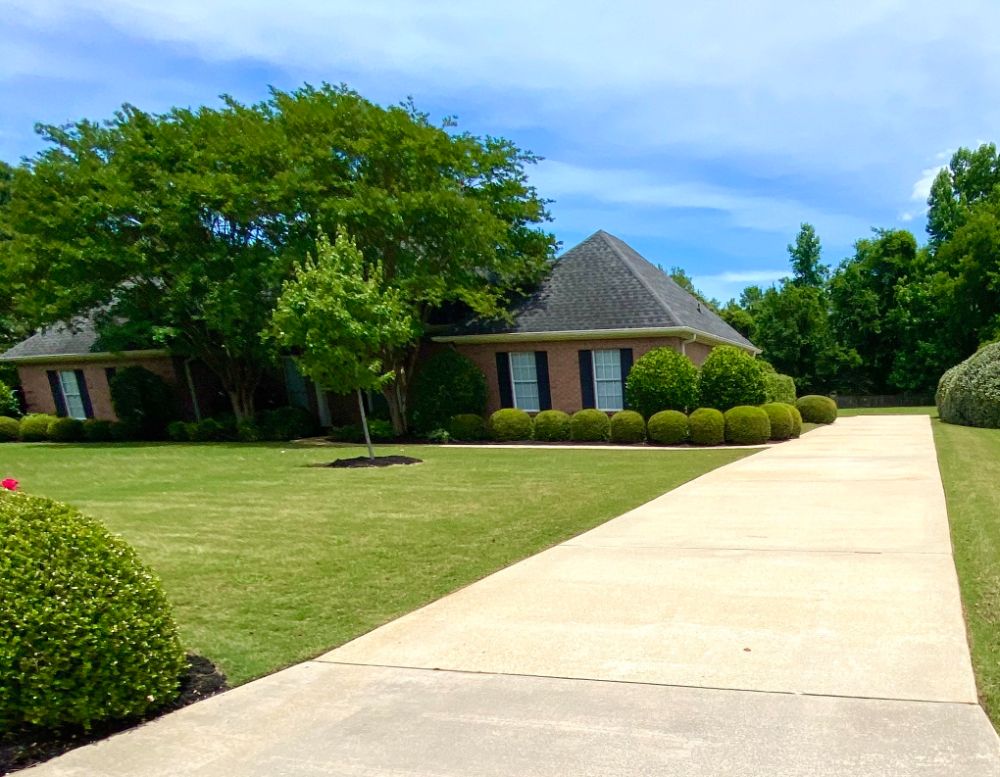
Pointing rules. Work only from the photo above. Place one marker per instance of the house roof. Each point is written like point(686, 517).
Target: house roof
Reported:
point(604, 285)
point(76, 340)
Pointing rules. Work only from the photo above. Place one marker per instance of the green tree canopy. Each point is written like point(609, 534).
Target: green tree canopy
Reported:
point(807, 266)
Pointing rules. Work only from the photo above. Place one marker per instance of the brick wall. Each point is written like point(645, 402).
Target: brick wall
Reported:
point(564, 362)
point(38, 395)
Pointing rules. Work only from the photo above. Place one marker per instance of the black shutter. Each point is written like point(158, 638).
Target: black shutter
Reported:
point(587, 379)
point(81, 381)
point(57, 396)
point(109, 373)
point(626, 364)
point(542, 373)
point(503, 380)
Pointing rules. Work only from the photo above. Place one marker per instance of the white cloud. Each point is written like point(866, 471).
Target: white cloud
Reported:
point(751, 276)
point(922, 186)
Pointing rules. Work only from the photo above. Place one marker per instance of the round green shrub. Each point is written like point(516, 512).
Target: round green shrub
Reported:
point(662, 379)
point(780, 417)
point(247, 430)
point(668, 427)
point(9, 406)
point(627, 426)
point(552, 426)
point(208, 430)
point(816, 409)
point(178, 431)
point(510, 424)
point(779, 388)
point(125, 431)
point(65, 430)
point(467, 427)
point(447, 384)
point(35, 427)
point(729, 377)
point(796, 421)
point(589, 426)
point(746, 425)
point(10, 429)
point(143, 401)
point(96, 430)
point(969, 393)
point(380, 429)
point(708, 426)
point(287, 423)
point(87, 634)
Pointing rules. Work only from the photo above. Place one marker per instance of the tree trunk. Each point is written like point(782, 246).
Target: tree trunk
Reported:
point(364, 425)
point(397, 409)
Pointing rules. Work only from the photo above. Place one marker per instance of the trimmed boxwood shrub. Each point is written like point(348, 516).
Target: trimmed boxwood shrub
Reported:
point(178, 431)
point(10, 429)
point(286, 423)
point(9, 406)
point(780, 416)
point(35, 427)
point(662, 379)
point(467, 426)
point(87, 634)
point(627, 426)
point(552, 426)
point(207, 430)
point(729, 377)
point(143, 401)
point(96, 430)
point(969, 393)
point(447, 384)
point(747, 425)
point(779, 388)
point(65, 430)
point(510, 424)
point(817, 409)
point(708, 426)
point(796, 421)
point(589, 425)
point(668, 427)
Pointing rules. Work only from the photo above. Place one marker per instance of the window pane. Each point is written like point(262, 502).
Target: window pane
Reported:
point(71, 395)
point(608, 380)
point(525, 381)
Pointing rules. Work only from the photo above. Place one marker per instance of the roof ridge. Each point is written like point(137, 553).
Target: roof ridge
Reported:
point(612, 241)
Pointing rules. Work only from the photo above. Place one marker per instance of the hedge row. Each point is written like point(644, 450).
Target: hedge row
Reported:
point(969, 393)
point(741, 425)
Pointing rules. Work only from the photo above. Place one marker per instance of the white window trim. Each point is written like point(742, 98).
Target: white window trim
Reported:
point(593, 377)
point(78, 396)
point(513, 383)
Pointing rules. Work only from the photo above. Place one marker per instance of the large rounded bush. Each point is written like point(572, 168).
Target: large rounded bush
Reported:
point(746, 425)
point(816, 409)
point(969, 393)
point(96, 430)
point(779, 388)
point(668, 427)
point(662, 379)
point(65, 430)
point(35, 427)
point(510, 424)
point(552, 426)
point(796, 421)
point(9, 406)
point(780, 416)
point(447, 384)
point(143, 401)
point(86, 634)
point(589, 426)
point(730, 377)
point(627, 426)
point(708, 426)
point(467, 427)
point(10, 429)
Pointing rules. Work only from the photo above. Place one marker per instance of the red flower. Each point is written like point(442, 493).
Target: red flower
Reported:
point(9, 484)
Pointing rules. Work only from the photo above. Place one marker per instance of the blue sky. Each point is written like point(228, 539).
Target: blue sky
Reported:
point(701, 133)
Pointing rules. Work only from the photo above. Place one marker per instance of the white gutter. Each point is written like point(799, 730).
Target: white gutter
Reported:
point(595, 334)
point(684, 343)
point(83, 357)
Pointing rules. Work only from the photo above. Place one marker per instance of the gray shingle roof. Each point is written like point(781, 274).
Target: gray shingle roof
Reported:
point(600, 284)
point(78, 338)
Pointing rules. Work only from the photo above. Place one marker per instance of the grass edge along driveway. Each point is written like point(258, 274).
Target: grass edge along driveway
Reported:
point(268, 561)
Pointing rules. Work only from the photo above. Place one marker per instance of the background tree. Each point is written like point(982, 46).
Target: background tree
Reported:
point(806, 254)
point(341, 322)
point(682, 279)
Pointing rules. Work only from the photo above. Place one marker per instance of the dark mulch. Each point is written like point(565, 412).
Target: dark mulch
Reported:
point(378, 461)
point(21, 749)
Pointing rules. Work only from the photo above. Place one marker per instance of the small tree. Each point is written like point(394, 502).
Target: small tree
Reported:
point(340, 323)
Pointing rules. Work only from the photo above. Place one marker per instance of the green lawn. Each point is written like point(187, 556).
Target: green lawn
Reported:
point(970, 467)
point(268, 561)
point(922, 410)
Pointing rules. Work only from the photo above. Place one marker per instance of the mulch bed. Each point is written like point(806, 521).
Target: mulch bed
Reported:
point(21, 749)
point(364, 461)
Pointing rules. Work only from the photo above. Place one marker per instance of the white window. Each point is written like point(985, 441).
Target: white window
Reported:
point(72, 397)
point(524, 381)
point(608, 380)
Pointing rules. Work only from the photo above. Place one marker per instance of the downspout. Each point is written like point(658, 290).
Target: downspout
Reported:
point(684, 343)
point(191, 388)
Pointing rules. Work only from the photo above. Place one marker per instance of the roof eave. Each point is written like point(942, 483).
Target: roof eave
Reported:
point(596, 334)
point(62, 358)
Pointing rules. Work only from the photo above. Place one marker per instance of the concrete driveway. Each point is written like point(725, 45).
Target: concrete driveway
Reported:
point(794, 613)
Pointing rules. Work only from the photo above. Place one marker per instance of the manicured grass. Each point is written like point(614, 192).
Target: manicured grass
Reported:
point(268, 561)
point(970, 467)
point(920, 410)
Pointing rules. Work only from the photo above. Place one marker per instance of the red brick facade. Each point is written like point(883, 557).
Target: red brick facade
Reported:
point(564, 364)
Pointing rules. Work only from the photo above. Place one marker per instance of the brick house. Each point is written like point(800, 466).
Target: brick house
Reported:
point(571, 344)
